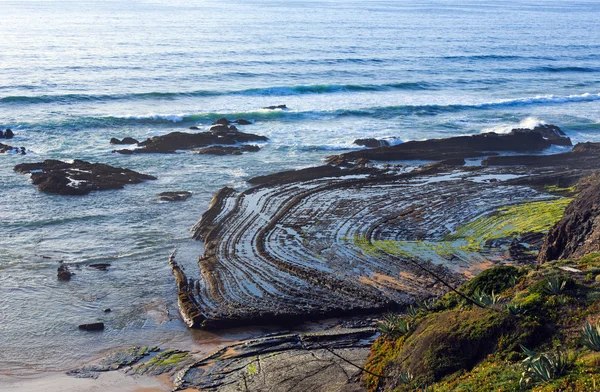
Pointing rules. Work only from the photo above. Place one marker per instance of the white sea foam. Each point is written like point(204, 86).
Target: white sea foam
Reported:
point(529, 123)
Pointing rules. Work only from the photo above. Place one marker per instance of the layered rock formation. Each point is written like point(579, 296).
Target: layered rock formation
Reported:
point(79, 177)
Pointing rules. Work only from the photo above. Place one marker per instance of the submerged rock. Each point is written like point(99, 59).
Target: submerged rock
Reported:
point(174, 195)
point(276, 107)
point(174, 141)
point(100, 266)
point(92, 327)
point(222, 150)
point(241, 121)
point(79, 177)
point(63, 273)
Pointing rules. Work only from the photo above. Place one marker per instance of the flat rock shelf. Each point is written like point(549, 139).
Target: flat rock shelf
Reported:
point(326, 246)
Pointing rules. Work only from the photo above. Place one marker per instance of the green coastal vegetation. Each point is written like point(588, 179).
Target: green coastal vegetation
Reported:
point(511, 328)
point(470, 239)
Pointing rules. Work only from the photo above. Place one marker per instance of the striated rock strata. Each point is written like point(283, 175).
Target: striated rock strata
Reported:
point(79, 177)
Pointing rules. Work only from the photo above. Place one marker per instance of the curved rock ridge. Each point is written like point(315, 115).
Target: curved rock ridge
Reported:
point(578, 232)
point(174, 141)
point(461, 147)
point(329, 241)
point(79, 177)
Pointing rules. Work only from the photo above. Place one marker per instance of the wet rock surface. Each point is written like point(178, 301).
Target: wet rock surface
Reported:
point(333, 240)
point(174, 141)
point(79, 177)
point(223, 150)
point(92, 327)
point(174, 195)
point(273, 107)
point(371, 143)
point(126, 140)
point(578, 232)
point(518, 140)
point(5, 148)
point(7, 134)
point(314, 361)
point(63, 273)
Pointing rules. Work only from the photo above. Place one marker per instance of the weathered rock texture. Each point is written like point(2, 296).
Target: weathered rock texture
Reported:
point(79, 177)
point(578, 232)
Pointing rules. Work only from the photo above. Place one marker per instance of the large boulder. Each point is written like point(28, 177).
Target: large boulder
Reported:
point(371, 143)
point(79, 177)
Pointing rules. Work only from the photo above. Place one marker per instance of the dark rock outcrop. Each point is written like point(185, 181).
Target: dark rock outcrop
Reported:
point(578, 232)
point(371, 143)
point(273, 107)
point(100, 266)
point(8, 134)
point(63, 273)
point(92, 327)
point(458, 147)
point(223, 150)
point(126, 140)
point(174, 196)
point(222, 121)
point(241, 121)
point(4, 148)
point(79, 177)
point(174, 141)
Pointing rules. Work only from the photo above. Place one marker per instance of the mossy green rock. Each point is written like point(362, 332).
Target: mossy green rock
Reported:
point(449, 341)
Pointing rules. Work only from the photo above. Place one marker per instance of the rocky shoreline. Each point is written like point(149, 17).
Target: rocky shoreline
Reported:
point(357, 237)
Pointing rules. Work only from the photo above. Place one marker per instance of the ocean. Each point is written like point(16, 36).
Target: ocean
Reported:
point(73, 74)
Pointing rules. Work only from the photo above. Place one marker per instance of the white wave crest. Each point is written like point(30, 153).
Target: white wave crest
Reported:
point(528, 123)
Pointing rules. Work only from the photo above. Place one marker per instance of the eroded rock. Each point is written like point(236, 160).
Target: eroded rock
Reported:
point(126, 140)
point(371, 143)
point(79, 177)
point(63, 273)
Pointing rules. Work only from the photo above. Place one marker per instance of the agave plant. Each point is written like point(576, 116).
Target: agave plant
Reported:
point(590, 336)
point(404, 377)
point(542, 368)
point(486, 299)
point(515, 309)
point(393, 326)
point(555, 285)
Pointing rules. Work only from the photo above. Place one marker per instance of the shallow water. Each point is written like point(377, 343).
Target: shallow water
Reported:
point(75, 74)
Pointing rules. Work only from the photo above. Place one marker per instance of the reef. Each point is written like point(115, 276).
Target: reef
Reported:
point(358, 238)
point(461, 147)
point(78, 177)
point(172, 142)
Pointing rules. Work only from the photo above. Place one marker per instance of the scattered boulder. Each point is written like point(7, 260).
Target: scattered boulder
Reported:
point(4, 148)
point(371, 143)
point(276, 107)
point(63, 273)
point(126, 140)
point(107, 310)
point(222, 150)
point(174, 196)
point(92, 327)
point(79, 177)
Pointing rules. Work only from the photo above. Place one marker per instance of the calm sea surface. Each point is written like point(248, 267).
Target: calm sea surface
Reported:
point(75, 74)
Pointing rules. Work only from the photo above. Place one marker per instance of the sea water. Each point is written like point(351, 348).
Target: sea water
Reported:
point(73, 74)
